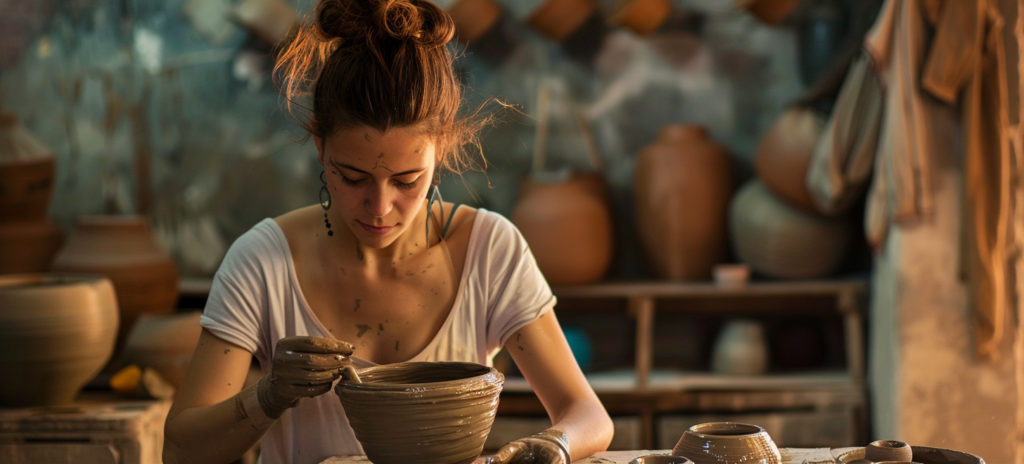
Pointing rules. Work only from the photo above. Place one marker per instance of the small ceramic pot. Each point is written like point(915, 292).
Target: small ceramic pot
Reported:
point(888, 450)
point(473, 18)
point(421, 411)
point(661, 459)
point(784, 156)
point(555, 20)
point(769, 12)
point(780, 241)
point(723, 442)
point(740, 349)
point(164, 343)
point(640, 16)
point(56, 333)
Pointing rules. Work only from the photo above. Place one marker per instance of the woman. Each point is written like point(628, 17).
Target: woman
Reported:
point(377, 263)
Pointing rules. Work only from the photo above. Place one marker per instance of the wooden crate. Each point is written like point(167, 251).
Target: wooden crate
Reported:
point(96, 429)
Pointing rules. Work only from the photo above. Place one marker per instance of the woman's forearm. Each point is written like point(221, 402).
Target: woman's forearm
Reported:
point(219, 433)
point(588, 428)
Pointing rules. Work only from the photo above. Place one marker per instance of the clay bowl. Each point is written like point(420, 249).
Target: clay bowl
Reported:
point(661, 459)
point(921, 454)
point(718, 442)
point(56, 333)
point(422, 412)
point(888, 450)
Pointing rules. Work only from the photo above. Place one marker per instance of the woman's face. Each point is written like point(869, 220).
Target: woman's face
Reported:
point(377, 180)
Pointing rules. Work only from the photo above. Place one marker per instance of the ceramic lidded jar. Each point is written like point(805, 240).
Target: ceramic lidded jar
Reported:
point(682, 184)
point(56, 333)
point(784, 156)
point(123, 249)
point(28, 238)
point(568, 224)
point(423, 412)
point(780, 241)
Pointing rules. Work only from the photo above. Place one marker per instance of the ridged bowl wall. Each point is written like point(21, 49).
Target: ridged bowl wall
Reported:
point(727, 442)
point(423, 412)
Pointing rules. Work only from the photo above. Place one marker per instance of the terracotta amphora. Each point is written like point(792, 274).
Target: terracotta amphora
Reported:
point(784, 155)
point(683, 182)
point(56, 333)
point(568, 224)
point(780, 241)
point(123, 249)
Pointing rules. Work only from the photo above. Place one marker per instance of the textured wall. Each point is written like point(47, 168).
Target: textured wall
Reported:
point(110, 83)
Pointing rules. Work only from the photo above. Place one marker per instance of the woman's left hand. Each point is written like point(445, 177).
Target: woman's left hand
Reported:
point(548, 447)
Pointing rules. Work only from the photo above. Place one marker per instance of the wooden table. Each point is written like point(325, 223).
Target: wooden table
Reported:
point(789, 456)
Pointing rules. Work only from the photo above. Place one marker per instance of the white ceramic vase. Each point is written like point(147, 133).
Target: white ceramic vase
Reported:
point(740, 349)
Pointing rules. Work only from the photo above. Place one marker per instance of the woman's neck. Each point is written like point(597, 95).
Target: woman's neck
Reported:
point(412, 243)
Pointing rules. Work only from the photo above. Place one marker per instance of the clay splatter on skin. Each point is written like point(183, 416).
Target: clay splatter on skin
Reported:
point(359, 253)
point(382, 164)
point(396, 345)
point(366, 135)
point(381, 326)
point(358, 301)
point(409, 273)
point(227, 351)
point(362, 329)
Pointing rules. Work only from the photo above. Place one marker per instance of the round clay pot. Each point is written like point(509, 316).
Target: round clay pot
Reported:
point(28, 246)
point(122, 249)
point(640, 16)
point(718, 442)
point(769, 12)
point(473, 18)
point(740, 349)
point(422, 412)
point(888, 450)
point(780, 241)
point(568, 225)
point(558, 19)
point(682, 183)
point(56, 333)
point(785, 153)
point(164, 343)
point(26, 173)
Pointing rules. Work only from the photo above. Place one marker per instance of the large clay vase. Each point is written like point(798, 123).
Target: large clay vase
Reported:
point(28, 238)
point(122, 248)
point(568, 225)
point(780, 241)
point(56, 333)
point(784, 155)
point(682, 183)
point(164, 343)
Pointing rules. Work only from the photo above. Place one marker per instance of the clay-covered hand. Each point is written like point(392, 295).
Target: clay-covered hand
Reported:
point(303, 367)
point(548, 447)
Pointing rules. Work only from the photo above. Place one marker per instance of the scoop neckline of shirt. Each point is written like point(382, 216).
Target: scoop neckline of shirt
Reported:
point(308, 312)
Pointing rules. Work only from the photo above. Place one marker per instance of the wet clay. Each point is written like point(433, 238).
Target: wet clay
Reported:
point(724, 442)
point(888, 450)
point(422, 412)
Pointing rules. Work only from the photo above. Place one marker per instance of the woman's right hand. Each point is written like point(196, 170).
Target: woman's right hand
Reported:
point(303, 367)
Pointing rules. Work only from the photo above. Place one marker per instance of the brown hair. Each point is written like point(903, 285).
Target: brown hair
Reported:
point(382, 64)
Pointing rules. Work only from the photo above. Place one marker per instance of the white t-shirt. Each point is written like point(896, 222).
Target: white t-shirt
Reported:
point(256, 300)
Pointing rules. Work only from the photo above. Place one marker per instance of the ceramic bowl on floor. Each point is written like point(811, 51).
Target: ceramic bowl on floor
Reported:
point(423, 412)
point(721, 442)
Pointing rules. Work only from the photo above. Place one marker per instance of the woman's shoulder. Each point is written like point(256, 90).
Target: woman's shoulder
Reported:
point(258, 247)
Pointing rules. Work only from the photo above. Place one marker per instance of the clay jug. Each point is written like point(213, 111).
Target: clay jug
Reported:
point(682, 183)
point(568, 226)
point(784, 155)
point(56, 333)
point(122, 248)
point(164, 343)
point(28, 238)
point(740, 349)
point(778, 240)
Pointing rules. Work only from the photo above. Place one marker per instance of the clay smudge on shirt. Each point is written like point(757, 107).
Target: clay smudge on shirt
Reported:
point(362, 329)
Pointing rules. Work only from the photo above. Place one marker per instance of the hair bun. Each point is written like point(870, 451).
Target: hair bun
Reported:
point(420, 21)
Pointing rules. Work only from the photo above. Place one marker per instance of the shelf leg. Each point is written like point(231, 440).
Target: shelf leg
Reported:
point(852, 323)
point(643, 309)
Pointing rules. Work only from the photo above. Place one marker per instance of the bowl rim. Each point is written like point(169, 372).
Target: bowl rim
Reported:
point(489, 375)
point(700, 430)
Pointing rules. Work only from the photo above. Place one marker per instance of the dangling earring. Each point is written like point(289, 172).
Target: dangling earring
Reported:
point(325, 203)
point(435, 196)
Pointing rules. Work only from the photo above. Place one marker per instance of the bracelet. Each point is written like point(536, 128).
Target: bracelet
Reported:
point(558, 437)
